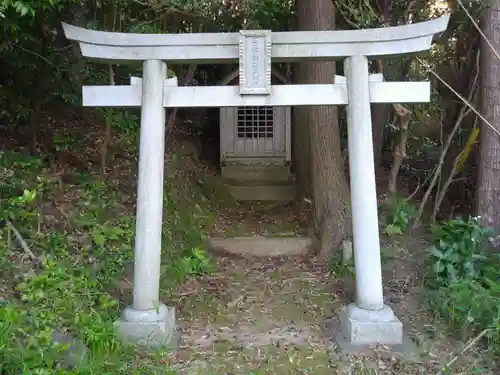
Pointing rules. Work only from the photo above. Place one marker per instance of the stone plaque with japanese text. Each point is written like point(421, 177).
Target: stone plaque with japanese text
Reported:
point(255, 62)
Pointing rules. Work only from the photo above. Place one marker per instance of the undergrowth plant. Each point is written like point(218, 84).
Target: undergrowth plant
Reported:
point(400, 212)
point(458, 252)
point(81, 237)
point(465, 284)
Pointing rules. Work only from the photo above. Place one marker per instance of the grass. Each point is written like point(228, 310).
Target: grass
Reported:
point(79, 237)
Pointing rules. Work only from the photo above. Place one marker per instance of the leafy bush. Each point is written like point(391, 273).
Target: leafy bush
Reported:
point(400, 213)
point(465, 289)
point(458, 252)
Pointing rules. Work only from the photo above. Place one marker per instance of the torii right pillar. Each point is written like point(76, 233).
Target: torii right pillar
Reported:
point(368, 321)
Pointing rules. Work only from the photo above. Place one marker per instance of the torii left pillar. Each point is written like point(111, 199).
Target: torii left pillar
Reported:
point(149, 322)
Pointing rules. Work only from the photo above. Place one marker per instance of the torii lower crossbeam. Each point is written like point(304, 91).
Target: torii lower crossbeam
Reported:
point(229, 96)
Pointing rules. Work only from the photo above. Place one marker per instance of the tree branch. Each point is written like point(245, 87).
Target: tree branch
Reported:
point(464, 111)
point(173, 115)
point(400, 149)
point(21, 240)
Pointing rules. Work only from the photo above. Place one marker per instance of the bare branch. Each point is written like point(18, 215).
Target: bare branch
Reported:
point(173, 115)
point(479, 29)
point(464, 111)
point(462, 99)
point(409, 9)
point(31, 52)
point(400, 149)
point(469, 345)
point(21, 240)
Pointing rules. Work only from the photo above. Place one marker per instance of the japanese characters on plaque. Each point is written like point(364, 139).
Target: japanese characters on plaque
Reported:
point(255, 62)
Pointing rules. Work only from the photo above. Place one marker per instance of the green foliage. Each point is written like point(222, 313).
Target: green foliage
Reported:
point(458, 252)
point(125, 124)
point(19, 6)
point(39, 68)
point(271, 14)
point(465, 285)
point(339, 267)
point(400, 211)
point(26, 8)
point(82, 251)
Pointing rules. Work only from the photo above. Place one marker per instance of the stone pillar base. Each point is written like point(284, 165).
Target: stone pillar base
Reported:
point(149, 328)
point(367, 327)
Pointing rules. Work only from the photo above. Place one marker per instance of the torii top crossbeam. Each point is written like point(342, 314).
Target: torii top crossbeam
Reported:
point(286, 46)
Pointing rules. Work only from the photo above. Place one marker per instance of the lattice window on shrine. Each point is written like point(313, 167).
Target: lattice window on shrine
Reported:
point(255, 134)
point(255, 122)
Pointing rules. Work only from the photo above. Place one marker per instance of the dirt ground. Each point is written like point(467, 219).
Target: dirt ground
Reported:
point(273, 316)
point(267, 219)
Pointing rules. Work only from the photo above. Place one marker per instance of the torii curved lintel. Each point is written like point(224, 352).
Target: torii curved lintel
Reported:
point(223, 47)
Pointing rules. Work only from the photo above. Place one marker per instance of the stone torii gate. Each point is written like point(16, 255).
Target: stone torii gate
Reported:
point(148, 321)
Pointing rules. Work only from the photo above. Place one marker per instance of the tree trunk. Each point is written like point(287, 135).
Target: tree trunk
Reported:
point(78, 17)
point(380, 118)
point(40, 91)
point(488, 189)
point(332, 212)
point(300, 137)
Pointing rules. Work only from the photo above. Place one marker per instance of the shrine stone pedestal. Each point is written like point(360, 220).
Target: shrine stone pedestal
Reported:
point(364, 327)
point(148, 328)
point(373, 333)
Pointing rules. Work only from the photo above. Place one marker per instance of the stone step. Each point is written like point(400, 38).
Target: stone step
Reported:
point(265, 173)
point(263, 246)
point(276, 192)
